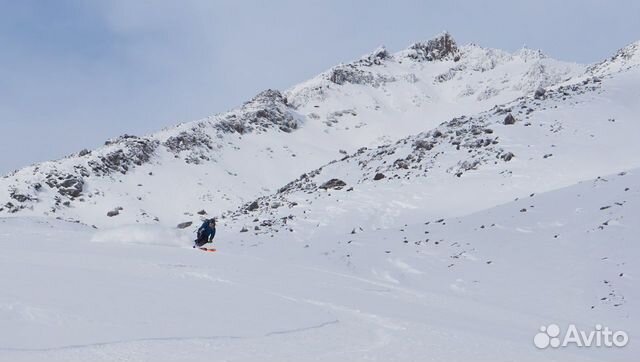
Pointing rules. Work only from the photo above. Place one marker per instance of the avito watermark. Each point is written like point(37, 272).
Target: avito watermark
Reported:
point(599, 336)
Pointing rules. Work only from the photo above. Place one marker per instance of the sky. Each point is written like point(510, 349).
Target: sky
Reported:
point(74, 73)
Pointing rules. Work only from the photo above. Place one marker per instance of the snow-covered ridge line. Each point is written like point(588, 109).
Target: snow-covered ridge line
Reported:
point(624, 59)
point(195, 142)
point(372, 101)
point(268, 105)
point(461, 145)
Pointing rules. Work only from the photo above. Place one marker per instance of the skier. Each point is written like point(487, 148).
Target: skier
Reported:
point(206, 232)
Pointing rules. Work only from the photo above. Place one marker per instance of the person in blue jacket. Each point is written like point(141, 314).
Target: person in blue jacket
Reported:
point(206, 233)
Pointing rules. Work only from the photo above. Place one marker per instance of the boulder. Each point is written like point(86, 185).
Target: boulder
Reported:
point(184, 225)
point(509, 119)
point(507, 156)
point(71, 187)
point(66, 184)
point(422, 144)
point(20, 197)
point(539, 94)
point(334, 183)
point(253, 206)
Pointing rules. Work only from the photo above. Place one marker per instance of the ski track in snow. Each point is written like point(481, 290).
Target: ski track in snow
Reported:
point(163, 339)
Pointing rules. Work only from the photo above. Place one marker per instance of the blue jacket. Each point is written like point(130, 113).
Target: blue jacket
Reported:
point(206, 231)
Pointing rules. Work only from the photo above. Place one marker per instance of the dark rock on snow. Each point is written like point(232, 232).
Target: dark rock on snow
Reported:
point(507, 156)
point(253, 206)
point(509, 119)
point(334, 183)
point(443, 47)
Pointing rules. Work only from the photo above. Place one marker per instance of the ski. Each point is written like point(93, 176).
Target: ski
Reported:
point(207, 249)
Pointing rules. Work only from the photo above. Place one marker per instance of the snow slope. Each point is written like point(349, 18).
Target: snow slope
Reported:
point(573, 132)
point(470, 288)
point(213, 164)
point(439, 203)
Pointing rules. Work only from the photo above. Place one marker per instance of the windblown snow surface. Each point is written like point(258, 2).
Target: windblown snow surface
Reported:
point(437, 204)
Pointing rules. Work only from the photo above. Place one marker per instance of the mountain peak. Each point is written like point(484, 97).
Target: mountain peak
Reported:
point(528, 54)
point(624, 59)
point(629, 55)
point(441, 47)
point(375, 57)
point(268, 97)
point(266, 110)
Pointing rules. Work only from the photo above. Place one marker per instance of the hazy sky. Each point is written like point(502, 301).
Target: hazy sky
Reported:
point(75, 72)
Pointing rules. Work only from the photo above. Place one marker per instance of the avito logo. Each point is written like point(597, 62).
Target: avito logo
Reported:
point(551, 336)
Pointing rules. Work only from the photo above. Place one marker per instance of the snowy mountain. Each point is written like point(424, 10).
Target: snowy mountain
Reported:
point(438, 203)
point(576, 131)
point(213, 164)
